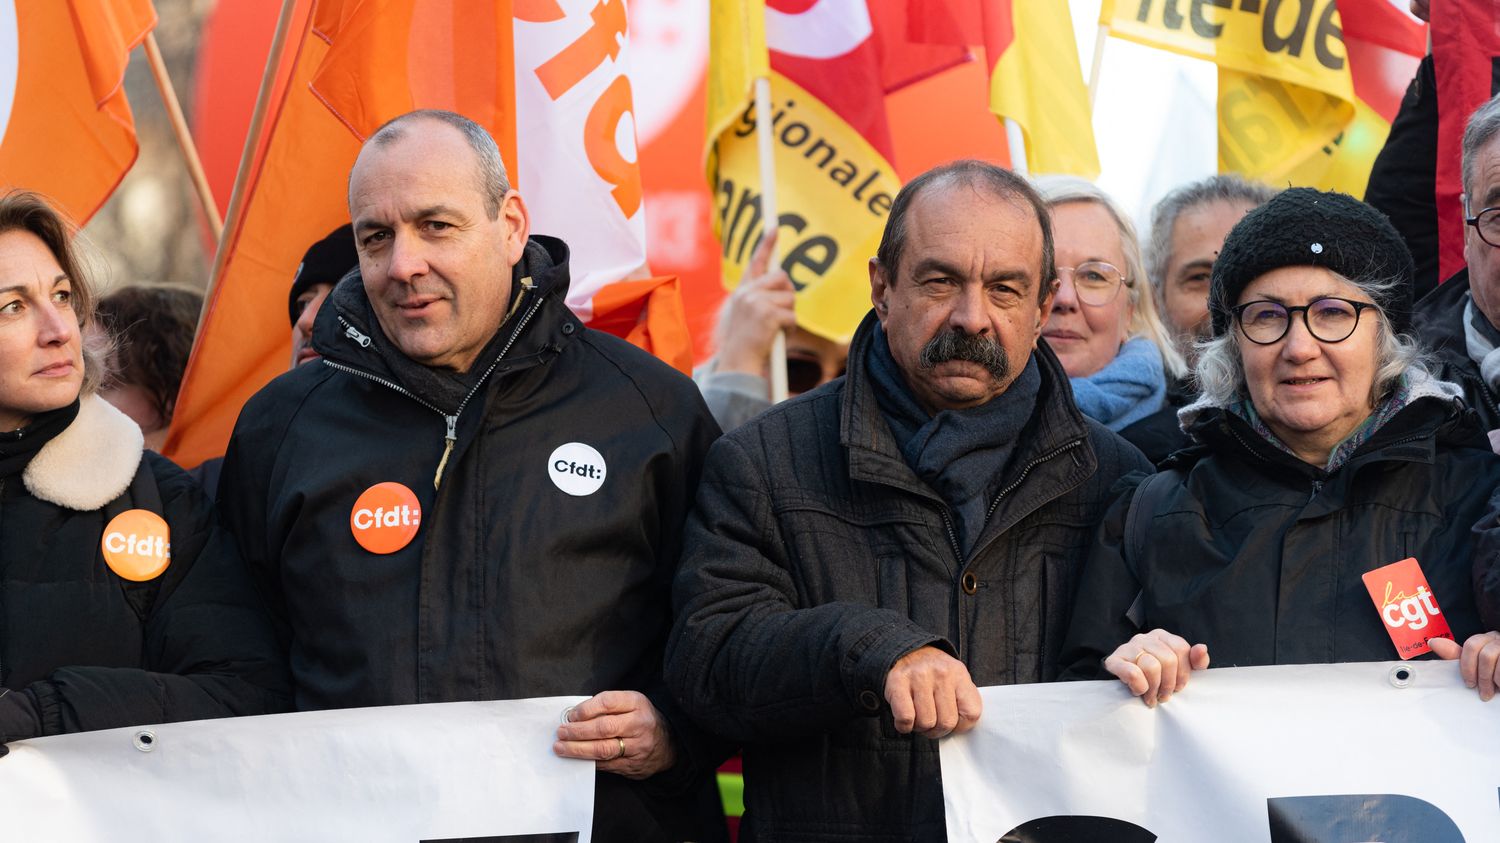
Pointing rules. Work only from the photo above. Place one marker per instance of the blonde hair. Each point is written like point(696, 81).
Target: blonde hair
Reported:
point(1144, 320)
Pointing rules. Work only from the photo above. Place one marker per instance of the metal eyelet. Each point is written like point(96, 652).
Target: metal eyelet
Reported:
point(1402, 675)
point(145, 740)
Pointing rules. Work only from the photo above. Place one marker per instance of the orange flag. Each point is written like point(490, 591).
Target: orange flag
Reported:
point(65, 128)
point(357, 64)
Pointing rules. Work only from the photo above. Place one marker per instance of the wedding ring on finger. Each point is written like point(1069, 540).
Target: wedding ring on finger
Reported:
point(621, 753)
point(1137, 660)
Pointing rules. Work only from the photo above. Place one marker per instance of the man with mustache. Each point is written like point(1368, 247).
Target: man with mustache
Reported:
point(860, 558)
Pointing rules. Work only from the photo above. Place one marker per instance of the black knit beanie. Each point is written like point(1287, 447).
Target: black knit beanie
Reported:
point(326, 262)
point(1305, 227)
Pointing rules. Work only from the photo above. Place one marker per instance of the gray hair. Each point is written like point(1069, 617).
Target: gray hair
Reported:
point(1481, 128)
point(1220, 371)
point(1145, 321)
point(1225, 187)
point(493, 182)
point(980, 175)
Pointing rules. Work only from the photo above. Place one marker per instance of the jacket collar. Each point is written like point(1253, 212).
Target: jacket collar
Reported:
point(1439, 319)
point(1056, 426)
point(91, 462)
point(1436, 416)
point(539, 324)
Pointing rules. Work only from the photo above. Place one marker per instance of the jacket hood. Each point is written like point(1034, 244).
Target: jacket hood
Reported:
point(346, 331)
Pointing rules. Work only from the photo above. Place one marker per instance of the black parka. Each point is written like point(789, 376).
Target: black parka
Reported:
point(1260, 555)
point(96, 651)
point(511, 588)
point(815, 558)
point(1438, 321)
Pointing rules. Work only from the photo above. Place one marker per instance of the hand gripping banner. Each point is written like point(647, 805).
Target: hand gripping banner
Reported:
point(1395, 752)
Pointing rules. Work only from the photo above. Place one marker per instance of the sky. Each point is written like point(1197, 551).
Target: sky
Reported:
point(1153, 116)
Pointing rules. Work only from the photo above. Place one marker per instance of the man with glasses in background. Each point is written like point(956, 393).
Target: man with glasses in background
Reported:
point(1459, 319)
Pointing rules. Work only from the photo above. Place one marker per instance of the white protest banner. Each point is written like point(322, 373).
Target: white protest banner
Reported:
point(403, 774)
point(1293, 754)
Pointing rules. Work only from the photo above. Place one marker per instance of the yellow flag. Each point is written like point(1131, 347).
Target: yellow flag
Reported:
point(1285, 90)
point(1035, 80)
point(737, 45)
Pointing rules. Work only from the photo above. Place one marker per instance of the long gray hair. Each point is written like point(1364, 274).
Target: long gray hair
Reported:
point(1220, 370)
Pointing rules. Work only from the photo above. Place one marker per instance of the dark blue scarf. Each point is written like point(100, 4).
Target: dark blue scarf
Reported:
point(960, 454)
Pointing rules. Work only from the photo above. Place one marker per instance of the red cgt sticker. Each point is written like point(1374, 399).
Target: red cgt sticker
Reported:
point(1407, 607)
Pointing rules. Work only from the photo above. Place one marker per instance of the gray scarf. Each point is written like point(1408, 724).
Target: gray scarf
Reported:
point(1480, 338)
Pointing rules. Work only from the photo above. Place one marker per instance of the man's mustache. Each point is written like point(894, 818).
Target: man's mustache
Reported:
point(973, 348)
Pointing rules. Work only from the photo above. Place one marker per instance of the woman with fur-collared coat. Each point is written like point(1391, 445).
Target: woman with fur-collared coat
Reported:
point(121, 603)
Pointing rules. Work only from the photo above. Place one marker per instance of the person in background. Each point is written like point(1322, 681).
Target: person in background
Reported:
point(1104, 326)
point(1188, 227)
point(1328, 451)
point(735, 381)
point(152, 328)
point(1460, 320)
point(325, 262)
point(97, 636)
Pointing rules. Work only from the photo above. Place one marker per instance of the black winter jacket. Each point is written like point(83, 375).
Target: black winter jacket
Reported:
point(1438, 321)
point(1159, 434)
point(815, 558)
point(1260, 555)
point(95, 651)
point(511, 588)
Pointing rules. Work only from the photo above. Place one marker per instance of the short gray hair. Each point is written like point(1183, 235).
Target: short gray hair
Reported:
point(1225, 187)
point(1146, 322)
point(1482, 126)
point(1220, 370)
point(493, 182)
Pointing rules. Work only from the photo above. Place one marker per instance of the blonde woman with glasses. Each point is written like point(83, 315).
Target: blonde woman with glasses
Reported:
point(1104, 326)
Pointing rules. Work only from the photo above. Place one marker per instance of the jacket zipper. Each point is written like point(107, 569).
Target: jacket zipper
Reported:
point(451, 435)
point(1025, 471)
point(948, 519)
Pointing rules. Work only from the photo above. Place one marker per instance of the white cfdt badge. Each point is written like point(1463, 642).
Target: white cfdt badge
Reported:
point(576, 468)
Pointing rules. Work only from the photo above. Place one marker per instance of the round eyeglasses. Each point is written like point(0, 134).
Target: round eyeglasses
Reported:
point(1487, 225)
point(1096, 283)
point(1327, 319)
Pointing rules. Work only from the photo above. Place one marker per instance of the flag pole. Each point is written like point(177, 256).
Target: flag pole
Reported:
point(766, 144)
point(252, 138)
point(1016, 140)
point(184, 137)
point(1099, 40)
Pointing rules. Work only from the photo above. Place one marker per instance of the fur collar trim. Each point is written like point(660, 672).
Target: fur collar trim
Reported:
point(91, 462)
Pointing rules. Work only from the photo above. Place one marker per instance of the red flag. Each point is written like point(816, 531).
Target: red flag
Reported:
point(1465, 45)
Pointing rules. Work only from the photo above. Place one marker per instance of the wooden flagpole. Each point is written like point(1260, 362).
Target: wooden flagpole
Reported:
point(184, 137)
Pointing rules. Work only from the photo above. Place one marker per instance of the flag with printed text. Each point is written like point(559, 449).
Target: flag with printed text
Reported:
point(352, 65)
point(830, 65)
point(1307, 90)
